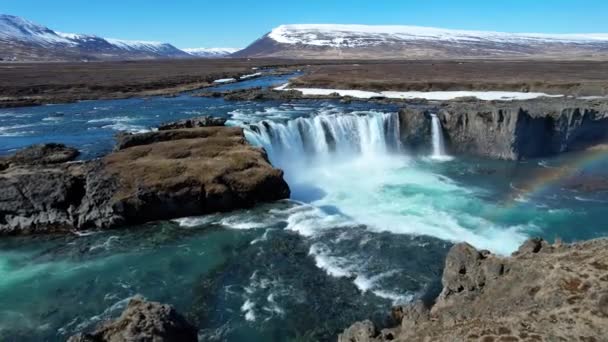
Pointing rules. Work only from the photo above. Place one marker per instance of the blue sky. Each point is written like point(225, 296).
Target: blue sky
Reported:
point(236, 23)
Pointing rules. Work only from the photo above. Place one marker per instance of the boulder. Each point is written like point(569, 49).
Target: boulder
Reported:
point(143, 321)
point(41, 154)
point(359, 332)
point(532, 245)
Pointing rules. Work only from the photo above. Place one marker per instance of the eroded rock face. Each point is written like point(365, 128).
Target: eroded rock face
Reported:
point(543, 292)
point(359, 332)
point(152, 176)
point(511, 130)
point(143, 321)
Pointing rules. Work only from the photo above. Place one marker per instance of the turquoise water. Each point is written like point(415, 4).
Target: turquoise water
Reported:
point(367, 227)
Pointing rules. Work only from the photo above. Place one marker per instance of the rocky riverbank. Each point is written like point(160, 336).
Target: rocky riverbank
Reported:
point(151, 176)
point(542, 292)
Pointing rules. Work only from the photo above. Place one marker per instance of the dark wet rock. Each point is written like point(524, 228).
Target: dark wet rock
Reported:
point(511, 129)
point(415, 129)
point(40, 155)
point(153, 176)
point(542, 293)
point(38, 199)
point(359, 332)
point(143, 321)
point(203, 121)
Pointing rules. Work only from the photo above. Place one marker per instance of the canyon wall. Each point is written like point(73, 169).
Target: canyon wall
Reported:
point(509, 130)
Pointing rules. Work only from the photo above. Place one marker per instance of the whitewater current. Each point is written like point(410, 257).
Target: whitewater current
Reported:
point(349, 173)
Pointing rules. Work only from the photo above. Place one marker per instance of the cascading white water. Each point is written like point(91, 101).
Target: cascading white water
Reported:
point(322, 138)
point(341, 164)
point(437, 136)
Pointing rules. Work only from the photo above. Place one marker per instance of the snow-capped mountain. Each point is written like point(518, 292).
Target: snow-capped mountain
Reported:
point(211, 52)
point(364, 41)
point(21, 39)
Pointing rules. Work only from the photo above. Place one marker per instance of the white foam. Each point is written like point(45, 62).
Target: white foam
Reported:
point(585, 199)
point(332, 265)
point(247, 308)
point(122, 127)
point(189, 222)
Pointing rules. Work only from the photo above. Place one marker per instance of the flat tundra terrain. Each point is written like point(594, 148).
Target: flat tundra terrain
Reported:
point(24, 84)
point(582, 78)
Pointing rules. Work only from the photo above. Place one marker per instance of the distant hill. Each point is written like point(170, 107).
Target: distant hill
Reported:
point(414, 42)
point(211, 52)
point(23, 40)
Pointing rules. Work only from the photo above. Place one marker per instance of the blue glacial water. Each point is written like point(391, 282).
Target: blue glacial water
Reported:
point(367, 227)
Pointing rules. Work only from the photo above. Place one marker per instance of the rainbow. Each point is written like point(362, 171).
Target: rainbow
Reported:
point(549, 177)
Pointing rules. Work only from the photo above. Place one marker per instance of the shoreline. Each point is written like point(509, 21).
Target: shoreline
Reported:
point(542, 292)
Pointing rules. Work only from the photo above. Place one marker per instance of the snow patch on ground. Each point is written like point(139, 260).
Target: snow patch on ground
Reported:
point(225, 80)
point(430, 95)
point(244, 77)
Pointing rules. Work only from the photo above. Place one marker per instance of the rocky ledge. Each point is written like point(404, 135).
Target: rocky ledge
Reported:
point(509, 129)
point(542, 292)
point(143, 321)
point(150, 176)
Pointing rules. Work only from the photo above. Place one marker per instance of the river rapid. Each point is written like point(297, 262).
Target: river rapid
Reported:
point(367, 226)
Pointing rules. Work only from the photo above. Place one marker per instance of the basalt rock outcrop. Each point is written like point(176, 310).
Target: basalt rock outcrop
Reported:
point(258, 93)
point(203, 121)
point(510, 130)
point(143, 321)
point(150, 176)
point(542, 292)
point(39, 155)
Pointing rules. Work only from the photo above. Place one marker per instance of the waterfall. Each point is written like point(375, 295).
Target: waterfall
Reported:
point(323, 138)
point(437, 135)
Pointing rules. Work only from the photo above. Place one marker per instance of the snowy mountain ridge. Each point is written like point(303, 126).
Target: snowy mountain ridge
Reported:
point(338, 41)
point(22, 39)
point(336, 35)
point(211, 52)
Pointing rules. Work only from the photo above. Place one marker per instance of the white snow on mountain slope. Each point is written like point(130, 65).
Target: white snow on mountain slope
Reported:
point(138, 44)
point(335, 35)
point(16, 28)
point(210, 52)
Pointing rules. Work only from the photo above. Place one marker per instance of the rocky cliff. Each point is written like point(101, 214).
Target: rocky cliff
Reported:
point(542, 293)
point(509, 130)
point(151, 176)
